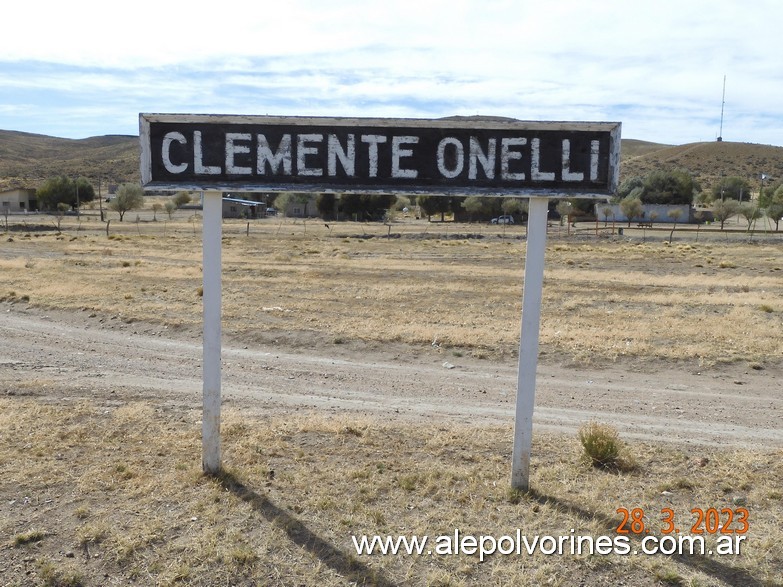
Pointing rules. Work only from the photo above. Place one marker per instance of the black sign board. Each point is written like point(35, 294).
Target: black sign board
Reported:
point(461, 155)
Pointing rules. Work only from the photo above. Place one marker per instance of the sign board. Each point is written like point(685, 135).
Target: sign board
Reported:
point(471, 156)
point(461, 155)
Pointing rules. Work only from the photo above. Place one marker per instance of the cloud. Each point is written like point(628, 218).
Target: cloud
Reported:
point(657, 67)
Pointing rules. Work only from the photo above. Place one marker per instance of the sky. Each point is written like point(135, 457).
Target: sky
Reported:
point(78, 69)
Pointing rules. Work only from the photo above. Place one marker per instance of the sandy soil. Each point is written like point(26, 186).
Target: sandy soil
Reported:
point(66, 356)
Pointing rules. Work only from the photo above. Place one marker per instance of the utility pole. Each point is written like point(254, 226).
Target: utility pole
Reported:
point(722, 104)
point(78, 212)
point(100, 198)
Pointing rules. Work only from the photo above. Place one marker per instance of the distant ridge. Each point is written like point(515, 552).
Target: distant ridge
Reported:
point(27, 160)
point(707, 162)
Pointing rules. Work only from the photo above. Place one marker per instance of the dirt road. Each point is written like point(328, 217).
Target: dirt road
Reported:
point(59, 355)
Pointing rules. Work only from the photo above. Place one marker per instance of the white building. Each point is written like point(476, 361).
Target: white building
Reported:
point(17, 200)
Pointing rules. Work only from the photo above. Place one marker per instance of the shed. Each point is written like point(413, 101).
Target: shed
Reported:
point(238, 208)
point(18, 200)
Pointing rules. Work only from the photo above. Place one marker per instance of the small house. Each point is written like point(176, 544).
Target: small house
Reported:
point(18, 200)
point(239, 208)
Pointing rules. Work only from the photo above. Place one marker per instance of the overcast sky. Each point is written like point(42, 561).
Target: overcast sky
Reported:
point(79, 68)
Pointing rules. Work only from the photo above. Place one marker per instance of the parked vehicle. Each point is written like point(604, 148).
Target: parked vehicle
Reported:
point(505, 219)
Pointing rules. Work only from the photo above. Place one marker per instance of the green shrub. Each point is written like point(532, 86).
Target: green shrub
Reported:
point(601, 444)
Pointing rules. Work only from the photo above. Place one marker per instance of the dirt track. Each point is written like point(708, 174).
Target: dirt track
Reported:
point(68, 356)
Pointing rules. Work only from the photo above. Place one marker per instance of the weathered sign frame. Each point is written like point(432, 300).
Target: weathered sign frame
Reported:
point(460, 155)
point(492, 157)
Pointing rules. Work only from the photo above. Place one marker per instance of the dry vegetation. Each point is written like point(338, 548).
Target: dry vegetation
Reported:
point(707, 162)
point(110, 491)
point(703, 302)
point(99, 494)
point(27, 160)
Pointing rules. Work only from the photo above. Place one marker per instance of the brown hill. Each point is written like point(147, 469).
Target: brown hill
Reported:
point(27, 160)
point(707, 162)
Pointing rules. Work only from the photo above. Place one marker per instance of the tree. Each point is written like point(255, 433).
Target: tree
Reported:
point(514, 206)
point(84, 192)
point(629, 185)
point(767, 193)
point(606, 212)
point(564, 209)
point(674, 214)
point(156, 207)
point(53, 192)
point(774, 209)
point(775, 213)
point(432, 205)
point(62, 190)
point(61, 209)
point(351, 204)
point(734, 188)
point(282, 201)
point(181, 198)
point(722, 210)
point(402, 202)
point(750, 212)
point(668, 187)
point(376, 206)
point(476, 206)
point(129, 196)
point(325, 203)
point(704, 198)
point(632, 208)
point(582, 207)
point(169, 206)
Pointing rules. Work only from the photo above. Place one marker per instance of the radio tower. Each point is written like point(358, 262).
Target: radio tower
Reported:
point(722, 104)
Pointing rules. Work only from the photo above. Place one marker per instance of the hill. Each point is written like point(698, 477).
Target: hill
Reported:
point(707, 162)
point(26, 160)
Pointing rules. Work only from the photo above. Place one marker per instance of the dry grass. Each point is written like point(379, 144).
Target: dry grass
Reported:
point(116, 491)
point(112, 489)
point(705, 303)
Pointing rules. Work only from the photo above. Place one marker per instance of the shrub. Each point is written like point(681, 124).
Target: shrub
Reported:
point(601, 444)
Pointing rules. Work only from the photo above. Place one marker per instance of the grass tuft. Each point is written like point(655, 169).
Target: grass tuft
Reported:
point(603, 448)
point(29, 537)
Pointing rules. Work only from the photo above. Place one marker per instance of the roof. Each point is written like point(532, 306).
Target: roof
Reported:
point(243, 202)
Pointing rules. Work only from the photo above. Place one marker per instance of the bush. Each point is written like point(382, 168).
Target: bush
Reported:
point(601, 444)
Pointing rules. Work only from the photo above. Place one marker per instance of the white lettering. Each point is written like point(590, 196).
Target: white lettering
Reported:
point(443, 545)
point(507, 155)
point(398, 152)
point(569, 175)
point(487, 160)
point(282, 156)
point(302, 151)
point(166, 153)
point(373, 141)
point(459, 157)
point(548, 544)
point(535, 163)
point(346, 156)
point(232, 149)
point(198, 157)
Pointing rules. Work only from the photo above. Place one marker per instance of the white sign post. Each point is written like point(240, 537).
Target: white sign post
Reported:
point(528, 342)
point(210, 419)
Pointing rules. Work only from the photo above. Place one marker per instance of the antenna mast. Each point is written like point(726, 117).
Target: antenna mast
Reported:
point(722, 104)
